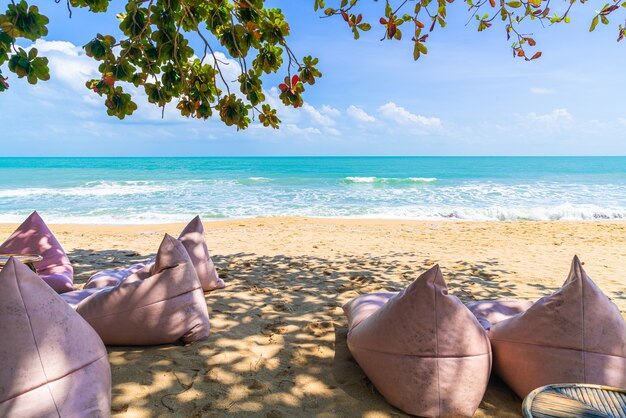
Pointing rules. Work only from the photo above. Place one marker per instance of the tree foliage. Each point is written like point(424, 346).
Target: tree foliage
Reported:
point(423, 16)
point(156, 55)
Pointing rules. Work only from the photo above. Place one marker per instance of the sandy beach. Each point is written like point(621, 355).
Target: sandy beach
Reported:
point(278, 342)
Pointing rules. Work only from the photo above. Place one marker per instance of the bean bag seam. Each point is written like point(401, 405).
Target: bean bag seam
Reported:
point(30, 325)
point(420, 356)
point(437, 349)
point(554, 347)
point(582, 325)
point(139, 307)
point(57, 379)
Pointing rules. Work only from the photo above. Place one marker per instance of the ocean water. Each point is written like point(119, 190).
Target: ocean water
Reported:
point(159, 190)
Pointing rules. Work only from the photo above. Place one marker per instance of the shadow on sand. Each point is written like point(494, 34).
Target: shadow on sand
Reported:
point(278, 341)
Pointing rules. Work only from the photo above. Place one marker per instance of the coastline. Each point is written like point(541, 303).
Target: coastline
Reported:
point(278, 347)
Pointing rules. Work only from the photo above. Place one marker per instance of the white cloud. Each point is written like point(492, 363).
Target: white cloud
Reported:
point(330, 111)
point(541, 90)
point(68, 63)
point(359, 114)
point(333, 132)
point(399, 114)
point(296, 130)
point(318, 116)
point(557, 115)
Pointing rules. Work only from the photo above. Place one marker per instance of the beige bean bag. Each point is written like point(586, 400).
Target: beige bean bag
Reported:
point(160, 304)
point(423, 349)
point(52, 363)
point(575, 335)
point(194, 242)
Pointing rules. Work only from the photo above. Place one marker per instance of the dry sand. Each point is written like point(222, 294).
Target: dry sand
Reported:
point(278, 342)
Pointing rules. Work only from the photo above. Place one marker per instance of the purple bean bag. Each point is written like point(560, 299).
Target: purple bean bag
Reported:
point(52, 363)
point(34, 237)
point(160, 304)
point(490, 312)
point(423, 349)
point(194, 242)
point(576, 335)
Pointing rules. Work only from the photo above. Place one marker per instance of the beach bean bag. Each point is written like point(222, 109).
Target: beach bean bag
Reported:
point(52, 363)
point(74, 297)
point(194, 242)
point(160, 304)
point(490, 312)
point(34, 237)
point(576, 335)
point(423, 349)
point(113, 277)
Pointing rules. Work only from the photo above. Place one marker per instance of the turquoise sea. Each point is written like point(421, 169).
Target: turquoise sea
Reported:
point(155, 190)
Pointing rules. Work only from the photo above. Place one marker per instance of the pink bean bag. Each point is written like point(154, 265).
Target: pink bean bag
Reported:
point(193, 239)
point(34, 237)
point(75, 297)
point(52, 363)
point(576, 335)
point(160, 304)
point(194, 242)
point(490, 312)
point(423, 349)
point(113, 277)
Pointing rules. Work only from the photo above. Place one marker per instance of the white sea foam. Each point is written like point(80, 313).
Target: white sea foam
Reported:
point(361, 179)
point(177, 200)
point(423, 179)
point(389, 180)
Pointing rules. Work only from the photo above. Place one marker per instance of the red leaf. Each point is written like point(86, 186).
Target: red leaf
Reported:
point(294, 80)
point(537, 55)
point(359, 18)
point(283, 87)
point(383, 21)
point(109, 80)
point(344, 15)
point(492, 3)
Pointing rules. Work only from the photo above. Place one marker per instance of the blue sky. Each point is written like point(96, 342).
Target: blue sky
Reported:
point(468, 96)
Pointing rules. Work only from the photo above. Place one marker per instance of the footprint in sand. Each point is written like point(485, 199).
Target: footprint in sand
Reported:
point(282, 307)
point(319, 328)
point(359, 279)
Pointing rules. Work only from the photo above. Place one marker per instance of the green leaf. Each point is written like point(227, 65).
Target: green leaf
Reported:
point(594, 23)
point(416, 52)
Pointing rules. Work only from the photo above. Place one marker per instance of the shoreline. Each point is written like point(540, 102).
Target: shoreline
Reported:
point(278, 340)
point(212, 221)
